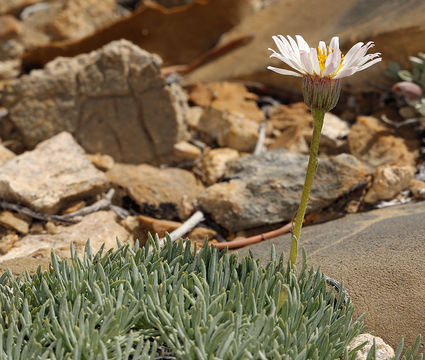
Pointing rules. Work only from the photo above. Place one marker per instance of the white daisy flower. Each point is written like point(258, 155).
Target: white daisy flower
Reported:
point(323, 61)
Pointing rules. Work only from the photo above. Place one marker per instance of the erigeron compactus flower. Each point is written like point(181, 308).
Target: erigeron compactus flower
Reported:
point(322, 68)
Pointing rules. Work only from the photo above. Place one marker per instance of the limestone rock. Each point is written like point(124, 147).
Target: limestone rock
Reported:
point(193, 116)
point(388, 181)
point(186, 151)
point(101, 161)
point(373, 143)
point(7, 241)
point(163, 193)
point(398, 35)
point(158, 30)
point(233, 97)
point(10, 27)
point(213, 165)
point(417, 187)
point(9, 69)
point(292, 127)
point(383, 350)
point(75, 19)
point(99, 227)
point(229, 129)
point(55, 172)
point(13, 221)
point(5, 155)
point(10, 6)
point(266, 189)
point(113, 100)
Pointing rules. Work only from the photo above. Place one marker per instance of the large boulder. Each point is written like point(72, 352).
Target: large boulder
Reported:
point(50, 176)
point(113, 100)
point(265, 189)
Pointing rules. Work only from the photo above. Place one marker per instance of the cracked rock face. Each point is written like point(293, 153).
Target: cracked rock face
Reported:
point(266, 189)
point(55, 172)
point(113, 100)
point(163, 193)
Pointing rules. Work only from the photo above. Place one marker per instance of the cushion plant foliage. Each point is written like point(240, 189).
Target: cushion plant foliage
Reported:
point(200, 304)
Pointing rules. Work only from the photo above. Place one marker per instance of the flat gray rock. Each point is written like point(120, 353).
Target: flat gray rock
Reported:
point(55, 172)
point(265, 189)
point(380, 257)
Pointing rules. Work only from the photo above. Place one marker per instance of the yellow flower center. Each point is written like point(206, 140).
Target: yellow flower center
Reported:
point(322, 55)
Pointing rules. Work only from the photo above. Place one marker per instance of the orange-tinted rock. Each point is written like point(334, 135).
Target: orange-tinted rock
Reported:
point(213, 165)
point(163, 193)
point(10, 27)
point(232, 97)
point(388, 181)
point(292, 127)
point(197, 26)
point(228, 129)
point(375, 144)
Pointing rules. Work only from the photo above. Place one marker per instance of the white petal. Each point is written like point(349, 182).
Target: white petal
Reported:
point(294, 53)
point(302, 44)
point(287, 61)
point(370, 63)
point(305, 60)
point(345, 73)
point(286, 44)
point(294, 46)
point(322, 47)
point(315, 61)
point(352, 53)
point(279, 44)
point(283, 71)
point(334, 43)
point(332, 62)
point(368, 57)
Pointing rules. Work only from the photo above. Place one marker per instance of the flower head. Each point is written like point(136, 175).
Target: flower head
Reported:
point(323, 61)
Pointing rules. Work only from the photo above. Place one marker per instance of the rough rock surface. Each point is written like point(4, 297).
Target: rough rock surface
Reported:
point(228, 129)
point(113, 100)
point(164, 193)
point(379, 257)
point(75, 19)
point(13, 221)
point(9, 6)
point(10, 27)
point(291, 127)
point(55, 172)
point(160, 31)
point(5, 155)
point(383, 350)
point(373, 143)
point(186, 151)
point(99, 228)
point(417, 187)
point(266, 189)
point(213, 165)
point(388, 181)
point(228, 96)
